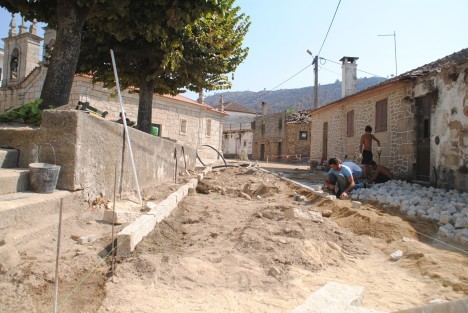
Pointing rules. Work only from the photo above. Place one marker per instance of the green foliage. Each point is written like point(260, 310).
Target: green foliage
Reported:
point(29, 113)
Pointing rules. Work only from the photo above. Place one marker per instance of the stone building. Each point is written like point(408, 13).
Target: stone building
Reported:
point(237, 128)
point(1, 65)
point(281, 136)
point(420, 118)
point(177, 118)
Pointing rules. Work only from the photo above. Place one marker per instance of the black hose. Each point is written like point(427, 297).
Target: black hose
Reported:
point(198, 157)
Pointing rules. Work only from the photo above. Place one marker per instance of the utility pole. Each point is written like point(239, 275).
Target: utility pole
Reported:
point(316, 82)
point(315, 63)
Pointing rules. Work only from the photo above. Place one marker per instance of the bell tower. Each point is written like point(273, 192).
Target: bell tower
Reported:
point(21, 52)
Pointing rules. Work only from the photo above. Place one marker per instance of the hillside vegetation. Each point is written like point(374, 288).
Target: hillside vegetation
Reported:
point(298, 99)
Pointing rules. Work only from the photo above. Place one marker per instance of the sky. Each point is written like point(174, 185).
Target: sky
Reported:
point(282, 31)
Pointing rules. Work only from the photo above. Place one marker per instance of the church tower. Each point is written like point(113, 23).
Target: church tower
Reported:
point(21, 53)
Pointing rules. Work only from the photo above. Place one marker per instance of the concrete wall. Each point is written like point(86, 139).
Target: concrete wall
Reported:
point(89, 148)
point(397, 142)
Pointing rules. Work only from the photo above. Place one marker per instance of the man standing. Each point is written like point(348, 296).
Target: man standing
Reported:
point(365, 148)
point(341, 176)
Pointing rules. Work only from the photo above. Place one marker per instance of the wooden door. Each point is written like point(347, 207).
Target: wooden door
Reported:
point(325, 142)
point(423, 149)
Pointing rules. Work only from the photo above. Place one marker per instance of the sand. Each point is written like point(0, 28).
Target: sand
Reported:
point(231, 249)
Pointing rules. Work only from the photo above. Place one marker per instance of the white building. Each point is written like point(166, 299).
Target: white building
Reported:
point(237, 129)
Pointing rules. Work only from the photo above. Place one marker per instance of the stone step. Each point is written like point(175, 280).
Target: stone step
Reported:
point(13, 180)
point(8, 158)
point(25, 208)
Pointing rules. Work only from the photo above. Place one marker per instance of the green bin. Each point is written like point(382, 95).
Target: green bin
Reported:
point(155, 131)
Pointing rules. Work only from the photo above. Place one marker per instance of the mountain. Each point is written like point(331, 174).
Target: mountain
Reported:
point(298, 99)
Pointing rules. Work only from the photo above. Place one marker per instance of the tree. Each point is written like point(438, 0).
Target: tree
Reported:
point(160, 58)
point(68, 18)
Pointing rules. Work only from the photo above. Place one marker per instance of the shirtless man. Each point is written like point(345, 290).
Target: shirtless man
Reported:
point(381, 174)
point(365, 148)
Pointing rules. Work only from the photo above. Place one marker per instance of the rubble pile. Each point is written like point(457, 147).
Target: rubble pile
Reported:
point(299, 117)
point(449, 209)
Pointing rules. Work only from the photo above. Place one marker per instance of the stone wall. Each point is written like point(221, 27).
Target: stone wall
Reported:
point(293, 144)
point(397, 142)
point(268, 133)
point(89, 148)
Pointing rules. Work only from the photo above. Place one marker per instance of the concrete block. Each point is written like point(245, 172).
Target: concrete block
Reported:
point(13, 180)
point(130, 236)
point(192, 191)
point(9, 158)
point(448, 307)
point(356, 204)
point(120, 217)
point(331, 295)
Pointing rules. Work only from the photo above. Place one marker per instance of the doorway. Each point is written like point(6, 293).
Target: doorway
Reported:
point(325, 142)
point(423, 133)
point(262, 152)
point(279, 150)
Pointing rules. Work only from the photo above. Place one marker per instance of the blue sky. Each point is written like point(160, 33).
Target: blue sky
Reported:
point(282, 31)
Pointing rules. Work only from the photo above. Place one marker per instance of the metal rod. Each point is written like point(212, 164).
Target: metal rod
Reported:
point(57, 257)
point(124, 121)
point(113, 221)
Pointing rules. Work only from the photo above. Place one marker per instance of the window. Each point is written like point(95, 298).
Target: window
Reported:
point(303, 135)
point(253, 125)
point(350, 123)
point(208, 127)
point(280, 123)
point(183, 126)
point(381, 115)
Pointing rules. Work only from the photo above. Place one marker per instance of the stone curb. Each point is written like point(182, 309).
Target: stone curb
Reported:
point(130, 236)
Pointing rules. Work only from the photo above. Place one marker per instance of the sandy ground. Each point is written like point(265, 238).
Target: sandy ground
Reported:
point(230, 248)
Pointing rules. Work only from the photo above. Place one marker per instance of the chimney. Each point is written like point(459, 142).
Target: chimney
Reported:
point(348, 68)
point(264, 108)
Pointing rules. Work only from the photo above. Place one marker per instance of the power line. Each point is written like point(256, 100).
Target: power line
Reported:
point(329, 27)
point(267, 92)
point(356, 68)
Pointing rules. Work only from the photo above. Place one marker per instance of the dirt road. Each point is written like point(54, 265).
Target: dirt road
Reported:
point(233, 249)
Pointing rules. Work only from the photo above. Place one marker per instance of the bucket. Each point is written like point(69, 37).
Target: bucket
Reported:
point(154, 131)
point(43, 177)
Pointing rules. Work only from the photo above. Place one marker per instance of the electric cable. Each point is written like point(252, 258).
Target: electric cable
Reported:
point(329, 27)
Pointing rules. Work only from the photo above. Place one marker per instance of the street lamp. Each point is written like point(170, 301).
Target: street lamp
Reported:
point(315, 62)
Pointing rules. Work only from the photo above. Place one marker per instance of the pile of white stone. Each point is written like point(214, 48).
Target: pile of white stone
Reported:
point(448, 208)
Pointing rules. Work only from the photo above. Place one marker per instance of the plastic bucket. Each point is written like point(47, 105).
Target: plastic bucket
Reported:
point(154, 131)
point(43, 177)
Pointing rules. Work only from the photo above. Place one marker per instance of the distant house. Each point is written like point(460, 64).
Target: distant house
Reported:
point(281, 136)
point(237, 128)
point(1, 65)
point(420, 118)
point(176, 117)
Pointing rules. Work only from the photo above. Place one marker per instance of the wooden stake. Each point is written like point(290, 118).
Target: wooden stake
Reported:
point(57, 257)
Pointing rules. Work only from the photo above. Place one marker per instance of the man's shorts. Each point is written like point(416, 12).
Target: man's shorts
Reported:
point(366, 157)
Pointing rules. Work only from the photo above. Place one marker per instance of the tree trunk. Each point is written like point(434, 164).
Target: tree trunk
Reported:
point(145, 105)
point(62, 65)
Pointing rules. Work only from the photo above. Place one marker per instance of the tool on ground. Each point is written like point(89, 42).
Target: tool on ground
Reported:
point(85, 106)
